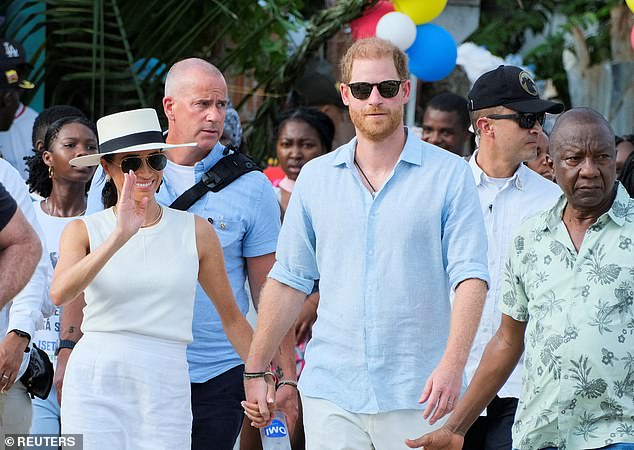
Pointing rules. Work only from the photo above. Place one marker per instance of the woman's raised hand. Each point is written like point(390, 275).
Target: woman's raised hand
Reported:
point(130, 216)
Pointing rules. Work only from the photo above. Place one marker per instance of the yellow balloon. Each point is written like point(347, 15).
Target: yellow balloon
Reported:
point(630, 3)
point(423, 11)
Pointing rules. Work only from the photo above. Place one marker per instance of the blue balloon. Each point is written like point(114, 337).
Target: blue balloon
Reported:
point(433, 54)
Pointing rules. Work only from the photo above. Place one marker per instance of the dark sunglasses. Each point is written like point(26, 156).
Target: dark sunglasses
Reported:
point(524, 120)
point(155, 161)
point(387, 88)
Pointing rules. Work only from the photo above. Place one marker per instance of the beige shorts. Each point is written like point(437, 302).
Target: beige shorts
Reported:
point(329, 427)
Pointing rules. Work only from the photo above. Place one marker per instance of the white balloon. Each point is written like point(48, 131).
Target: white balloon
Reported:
point(398, 28)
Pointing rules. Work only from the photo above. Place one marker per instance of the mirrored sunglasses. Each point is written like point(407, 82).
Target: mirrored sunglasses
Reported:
point(155, 161)
point(524, 120)
point(387, 89)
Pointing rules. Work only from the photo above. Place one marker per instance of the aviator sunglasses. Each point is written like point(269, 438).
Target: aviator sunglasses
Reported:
point(524, 120)
point(155, 161)
point(387, 89)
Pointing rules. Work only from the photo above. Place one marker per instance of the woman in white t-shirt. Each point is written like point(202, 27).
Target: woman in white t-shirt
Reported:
point(60, 134)
point(127, 382)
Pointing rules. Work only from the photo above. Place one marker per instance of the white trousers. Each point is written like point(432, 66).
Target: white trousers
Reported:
point(329, 427)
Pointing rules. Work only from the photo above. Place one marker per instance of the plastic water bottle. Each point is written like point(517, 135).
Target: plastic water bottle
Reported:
point(275, 436)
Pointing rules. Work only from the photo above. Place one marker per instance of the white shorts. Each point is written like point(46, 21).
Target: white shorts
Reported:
point(329, 427)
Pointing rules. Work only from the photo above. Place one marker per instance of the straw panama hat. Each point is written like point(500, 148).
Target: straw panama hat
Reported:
point(128, 131)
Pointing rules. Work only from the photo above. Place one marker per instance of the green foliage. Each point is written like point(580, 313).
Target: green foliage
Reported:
point(504, 23)
point(97, 49)
point(92, 45)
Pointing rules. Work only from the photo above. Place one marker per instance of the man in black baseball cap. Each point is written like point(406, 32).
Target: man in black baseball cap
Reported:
point(512, 87)
point(16, 119)
point(507, 115)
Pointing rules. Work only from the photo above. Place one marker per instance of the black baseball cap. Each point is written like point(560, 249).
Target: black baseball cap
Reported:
point(512, 87)
point(12, 54)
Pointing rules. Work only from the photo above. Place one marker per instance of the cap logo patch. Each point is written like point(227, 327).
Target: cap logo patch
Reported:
point(527, 83)
point(10, 51)
point(12, 76)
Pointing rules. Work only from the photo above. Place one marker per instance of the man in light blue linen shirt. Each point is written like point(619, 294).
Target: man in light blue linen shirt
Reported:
point(389, 225)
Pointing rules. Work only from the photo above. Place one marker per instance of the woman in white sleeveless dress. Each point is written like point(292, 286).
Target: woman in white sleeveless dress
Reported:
point(127, 384)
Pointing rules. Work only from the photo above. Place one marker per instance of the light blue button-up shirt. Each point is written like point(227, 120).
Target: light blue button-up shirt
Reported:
point(385, 266)
point(246, 217)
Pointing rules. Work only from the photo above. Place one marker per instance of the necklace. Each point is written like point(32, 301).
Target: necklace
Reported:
point(156, 219)
point(365, 176)
point(49, 211)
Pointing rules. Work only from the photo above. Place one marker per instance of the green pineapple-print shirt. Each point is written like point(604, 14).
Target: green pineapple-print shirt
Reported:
point(578, 379)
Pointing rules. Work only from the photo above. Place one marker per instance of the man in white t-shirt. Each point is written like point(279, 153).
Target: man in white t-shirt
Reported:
point(507, 114)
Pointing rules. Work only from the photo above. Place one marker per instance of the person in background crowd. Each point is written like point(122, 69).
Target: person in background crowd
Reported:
point(624, 148)
point(139, 305)
point(246, 218)
point(16, 119)
point(446, 123)
point(543, 164)
point(60, 134)
point(19, 314)
point(320, 91)
point(232, 131)
point(382, 343)
point(627, 175)
point(301, 134)
point(507, 115)
point(567, 303)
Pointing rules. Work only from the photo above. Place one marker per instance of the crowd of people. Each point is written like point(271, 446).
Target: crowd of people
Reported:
point(473, 289)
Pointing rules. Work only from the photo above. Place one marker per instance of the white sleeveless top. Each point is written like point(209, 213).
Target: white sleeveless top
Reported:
point(148, 285)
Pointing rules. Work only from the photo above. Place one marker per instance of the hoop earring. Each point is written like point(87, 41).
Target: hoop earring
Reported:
point(51, 172)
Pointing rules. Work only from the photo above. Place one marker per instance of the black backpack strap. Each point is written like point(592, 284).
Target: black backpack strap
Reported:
point(221, 175)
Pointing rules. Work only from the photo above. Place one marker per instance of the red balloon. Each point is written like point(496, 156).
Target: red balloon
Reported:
point(365, 26)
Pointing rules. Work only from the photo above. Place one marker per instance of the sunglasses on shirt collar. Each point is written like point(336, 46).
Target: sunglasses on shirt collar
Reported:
point(387, 89)
point(524, 120)
point(155, 161)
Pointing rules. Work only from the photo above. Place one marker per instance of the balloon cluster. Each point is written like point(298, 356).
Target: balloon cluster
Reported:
point(431, 50)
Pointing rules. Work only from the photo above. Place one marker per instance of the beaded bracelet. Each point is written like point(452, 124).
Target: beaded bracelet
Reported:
point(286, 382)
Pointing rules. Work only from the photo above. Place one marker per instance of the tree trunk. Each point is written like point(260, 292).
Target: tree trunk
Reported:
point(607, 87)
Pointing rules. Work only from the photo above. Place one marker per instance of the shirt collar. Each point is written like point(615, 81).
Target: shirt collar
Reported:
point(410, 154)
point(518, 179)
point(621, 211)
point(210, 160)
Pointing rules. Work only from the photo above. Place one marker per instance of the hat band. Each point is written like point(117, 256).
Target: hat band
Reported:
point(145, 137)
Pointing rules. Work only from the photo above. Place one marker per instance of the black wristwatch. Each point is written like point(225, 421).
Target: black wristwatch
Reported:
point(23, 334)
point(64, 343)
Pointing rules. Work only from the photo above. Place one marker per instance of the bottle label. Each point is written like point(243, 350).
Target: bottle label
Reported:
point(276, 429)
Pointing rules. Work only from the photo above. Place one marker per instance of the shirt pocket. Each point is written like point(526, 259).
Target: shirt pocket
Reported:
point(229, 231)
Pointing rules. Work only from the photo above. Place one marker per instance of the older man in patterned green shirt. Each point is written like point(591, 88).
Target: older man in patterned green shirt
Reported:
point(568, 302)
